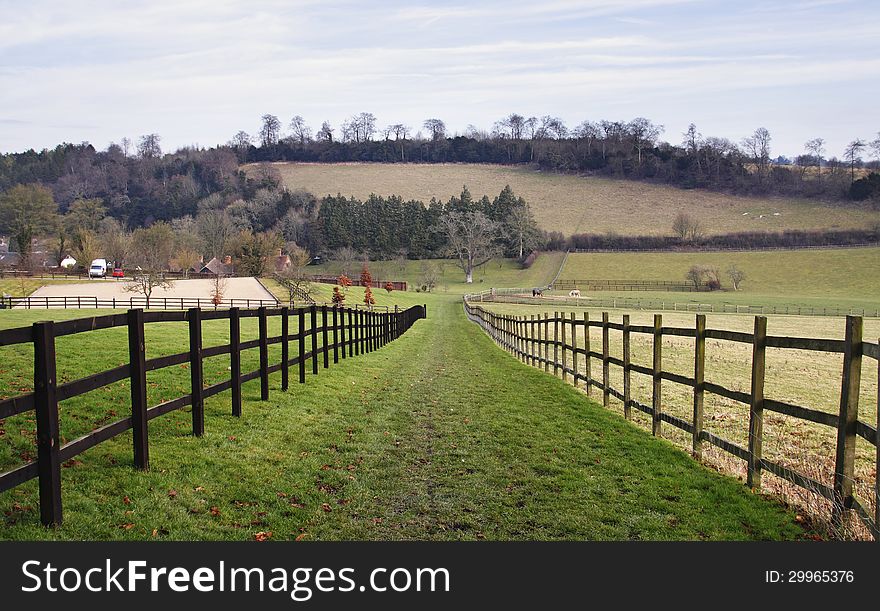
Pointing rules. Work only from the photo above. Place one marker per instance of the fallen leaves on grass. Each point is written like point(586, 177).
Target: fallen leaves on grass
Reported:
point(263, 535)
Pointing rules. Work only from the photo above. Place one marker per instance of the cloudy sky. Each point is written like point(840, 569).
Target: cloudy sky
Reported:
point(197, 71)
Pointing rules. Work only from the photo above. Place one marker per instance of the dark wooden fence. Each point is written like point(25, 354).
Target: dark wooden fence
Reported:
point(533, 338)
point(353, 332)
point(154, 303)
point(626, 285)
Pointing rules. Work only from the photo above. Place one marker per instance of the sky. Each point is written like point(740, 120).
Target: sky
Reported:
point(198, 71)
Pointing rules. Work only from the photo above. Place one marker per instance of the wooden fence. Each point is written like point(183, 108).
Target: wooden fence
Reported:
point(626, 285)
point(533, 338)
point(154, 303)
point(353, 332)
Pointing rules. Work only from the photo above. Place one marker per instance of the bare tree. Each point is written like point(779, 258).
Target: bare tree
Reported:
point(736, 275)
point(325, 134)
point(270, 131)
point(522, 225)
point(436, 128)
point(346, 256)
point(216, 230)
point(695, 275)
point(815, 148)
point(471, 237)
point(148, 146)
point(301, 132)
point(293, 278)
point(218, 290)
point(144, 282)
point(692, 142)
point(430, 274)
point(758, 148)
point(875, 146)
point(853, 154)
point(686, 227)
point(241, 140)
point(643, 134)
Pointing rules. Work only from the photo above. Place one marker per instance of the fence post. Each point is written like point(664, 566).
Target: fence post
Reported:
point(350, 332)
point(587, 365)
point(301, 313)
point(324, 336)
point(606, 365)
point(555, 343)
point(46, 406)
point(335, 333)
point(285, 348)
point(699, 382)
point(756, 412)
point(235, 359)
point(195, 371)
point(314, 316)
point(574, 348)
point(564, 344)
point(844, 465)
point(356, 331)
point(656, 403)
point(138, 376)
point(627, 374)
point(264, 353)
point(546, 343)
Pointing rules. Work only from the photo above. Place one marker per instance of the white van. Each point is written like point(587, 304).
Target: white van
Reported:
point(98, 268)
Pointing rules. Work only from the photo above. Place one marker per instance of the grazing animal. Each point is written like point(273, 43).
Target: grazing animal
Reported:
point(574, 293)
point(537, 293)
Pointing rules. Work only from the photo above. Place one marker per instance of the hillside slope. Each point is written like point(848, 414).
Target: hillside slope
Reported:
point(572, 204)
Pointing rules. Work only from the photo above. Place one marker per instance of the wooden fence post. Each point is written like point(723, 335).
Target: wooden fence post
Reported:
point(606, 365)
point(587, 365)
point(350, 332)
point(555, 343)
point(844, 464)
point(657, 368)
point(301, 313)
point(546, 343)
point(235, 359)
point(46, 406)
point(314, 316)
point(627, 373)
point(756, 411)
point(325, 336)
point(195, 371)
point(285, 348)
point(699, 383)
point(335, 333)
point(574, 347)
point(564, 346)
point(264, 353)
point(138, 377)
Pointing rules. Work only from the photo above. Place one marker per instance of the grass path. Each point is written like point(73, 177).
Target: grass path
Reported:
point(439, 435)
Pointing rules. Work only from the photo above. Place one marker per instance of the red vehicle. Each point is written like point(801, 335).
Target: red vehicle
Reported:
point(118, 273)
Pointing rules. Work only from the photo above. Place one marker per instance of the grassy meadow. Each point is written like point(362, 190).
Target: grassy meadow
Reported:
point(809, 379)
point(572, 204)
point(845, 278)
point(436, 436)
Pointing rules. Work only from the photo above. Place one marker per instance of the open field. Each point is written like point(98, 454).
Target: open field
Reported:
point(497, 273)
point(825, 278)
point(809, 379)
point(438, 435)
point(234, 288)
point(572, 204)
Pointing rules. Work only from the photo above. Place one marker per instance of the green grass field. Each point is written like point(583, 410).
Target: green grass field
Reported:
point(496, 273)
point(439, 435)
point(808, 379)
point(572, 204)
point(844, 278)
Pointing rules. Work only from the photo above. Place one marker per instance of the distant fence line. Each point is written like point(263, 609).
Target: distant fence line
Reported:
point(362, 332)
point(154, 303)
point(523, 296)
point(717, 248)
point(627, 285)
point(530, 338)
point(56, 274)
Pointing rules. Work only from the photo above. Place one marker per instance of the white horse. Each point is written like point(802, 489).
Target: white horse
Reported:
point(574, 293)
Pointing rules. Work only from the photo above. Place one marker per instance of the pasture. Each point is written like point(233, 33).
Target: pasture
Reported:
point(571, 204)
point(844, 278)
point(436, 436)
point(809, 379)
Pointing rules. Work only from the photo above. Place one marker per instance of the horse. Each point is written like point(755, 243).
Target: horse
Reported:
point(537, 293)
point(574, 293)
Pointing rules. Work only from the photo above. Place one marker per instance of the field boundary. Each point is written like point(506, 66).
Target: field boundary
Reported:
point(363, 332)
point(522, 296)
point(530, 339)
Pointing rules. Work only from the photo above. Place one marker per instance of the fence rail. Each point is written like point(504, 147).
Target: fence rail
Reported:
point(531, 339)
point(353, 332)
point(627, 285)
point(156, 303)
point(523, 296)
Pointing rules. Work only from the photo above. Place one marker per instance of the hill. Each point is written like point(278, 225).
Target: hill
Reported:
point(571, 204)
